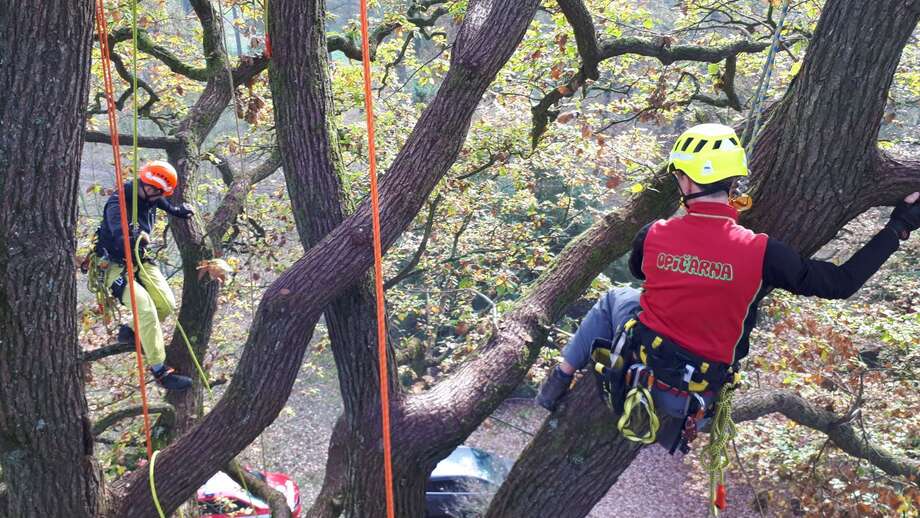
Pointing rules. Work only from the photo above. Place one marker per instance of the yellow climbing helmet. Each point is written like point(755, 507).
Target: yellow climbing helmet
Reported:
point(708, 153)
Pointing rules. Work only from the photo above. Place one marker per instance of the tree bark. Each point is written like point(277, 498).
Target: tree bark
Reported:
point(809, 166)
point(45, 435)
point(197, 243)
point(303, 97)
point(291, 306)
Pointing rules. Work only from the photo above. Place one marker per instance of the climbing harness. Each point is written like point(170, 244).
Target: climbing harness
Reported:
point(95, 267)
point(637, 362)
point(740, 198)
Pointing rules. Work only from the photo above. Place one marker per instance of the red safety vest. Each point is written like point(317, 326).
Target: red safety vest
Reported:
point(702, 273)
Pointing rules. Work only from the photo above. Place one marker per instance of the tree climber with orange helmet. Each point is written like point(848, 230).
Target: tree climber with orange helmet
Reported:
point(154, 298)
point(704, 276)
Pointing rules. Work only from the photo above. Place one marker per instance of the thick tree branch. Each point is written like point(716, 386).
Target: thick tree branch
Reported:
point(146, 45)
point(579, 18)
point(275, 499)
point(352, 48)
point(663, 51)
point(100, 137)
point(106, 351)
point(758, 404)
point(592, 54)
point(894, 178)
point(103, 424)
point(293, 304)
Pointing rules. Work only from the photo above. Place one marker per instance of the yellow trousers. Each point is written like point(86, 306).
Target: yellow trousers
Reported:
point(155, 302)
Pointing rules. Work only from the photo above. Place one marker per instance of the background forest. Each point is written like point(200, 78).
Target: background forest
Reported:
point(509, 233)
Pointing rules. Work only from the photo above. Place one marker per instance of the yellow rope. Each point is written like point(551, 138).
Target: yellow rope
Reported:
point(153, 486)
point(638, 397)
point(715, 454)
point(155, 294)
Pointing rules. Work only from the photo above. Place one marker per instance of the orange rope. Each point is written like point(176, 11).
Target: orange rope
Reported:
point(103, 32)
point(378, 266)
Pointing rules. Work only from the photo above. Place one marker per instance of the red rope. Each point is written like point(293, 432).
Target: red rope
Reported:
point(378, 267)
point(103, 32)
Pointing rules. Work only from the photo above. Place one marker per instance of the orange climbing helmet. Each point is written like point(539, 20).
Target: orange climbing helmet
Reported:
point(159, 174)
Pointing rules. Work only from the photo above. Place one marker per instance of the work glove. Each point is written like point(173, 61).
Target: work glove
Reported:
point(182, 211)
point(905, 218)
point(554, 387)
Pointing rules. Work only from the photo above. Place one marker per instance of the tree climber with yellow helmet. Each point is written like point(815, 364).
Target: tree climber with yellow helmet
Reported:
point(704, 276)
point(154, 298)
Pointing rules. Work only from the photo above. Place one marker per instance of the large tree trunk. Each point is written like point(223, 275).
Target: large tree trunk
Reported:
point(302, 92)
point(814, 163)
point(46, 443)
point(291, 307)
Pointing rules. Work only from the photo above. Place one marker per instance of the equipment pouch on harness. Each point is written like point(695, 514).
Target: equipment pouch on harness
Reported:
point(611, 358)
point(676, 367)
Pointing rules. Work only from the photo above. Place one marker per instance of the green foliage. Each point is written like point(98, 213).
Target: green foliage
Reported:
point(506, 209)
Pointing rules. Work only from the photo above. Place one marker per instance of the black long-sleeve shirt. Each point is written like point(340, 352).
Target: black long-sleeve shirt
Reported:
point(786, 269)
point(108, 234)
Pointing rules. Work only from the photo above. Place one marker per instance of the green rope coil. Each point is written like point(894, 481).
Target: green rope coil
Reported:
point(722, 430)
point(639, 397)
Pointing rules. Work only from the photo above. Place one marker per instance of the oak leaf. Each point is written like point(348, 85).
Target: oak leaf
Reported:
point(216, 269)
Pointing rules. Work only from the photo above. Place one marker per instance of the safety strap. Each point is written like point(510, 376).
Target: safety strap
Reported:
point(639, 398)
point(677, 367)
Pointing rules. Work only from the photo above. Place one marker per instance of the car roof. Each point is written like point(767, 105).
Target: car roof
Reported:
point(469, 462)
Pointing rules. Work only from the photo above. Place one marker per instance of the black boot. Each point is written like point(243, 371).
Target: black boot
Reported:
point(125, 335)
point(555, 386)
point(168, 379)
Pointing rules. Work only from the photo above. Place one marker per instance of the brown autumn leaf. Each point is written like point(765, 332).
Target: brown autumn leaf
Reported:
point(561, 40)
point(564, 90)
point(216, 269)
point(565, 117)
point(462, 328)
point(536, 55)
point(614, 181)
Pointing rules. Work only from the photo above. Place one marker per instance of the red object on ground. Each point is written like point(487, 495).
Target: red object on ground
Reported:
point(222, 497)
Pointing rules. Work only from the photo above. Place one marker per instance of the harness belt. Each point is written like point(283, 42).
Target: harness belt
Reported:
point(674, 365)
point(637, 360)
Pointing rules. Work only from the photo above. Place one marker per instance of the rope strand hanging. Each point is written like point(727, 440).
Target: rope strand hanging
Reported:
point(378, 266)
point(103, 33)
